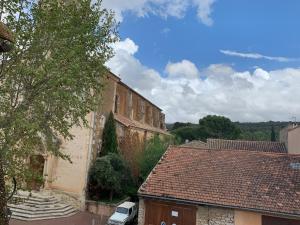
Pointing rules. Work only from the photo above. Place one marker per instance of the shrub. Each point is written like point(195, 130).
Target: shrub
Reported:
point(152, 153)
point(109, 177)
point(109, 137)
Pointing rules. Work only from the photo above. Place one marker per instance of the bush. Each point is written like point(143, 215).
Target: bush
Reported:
point(109, 137)
point(109, 177)
point(152, 153)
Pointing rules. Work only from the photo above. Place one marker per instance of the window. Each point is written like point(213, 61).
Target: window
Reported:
point(122, 210)
point(130, 211)
point(116, 103)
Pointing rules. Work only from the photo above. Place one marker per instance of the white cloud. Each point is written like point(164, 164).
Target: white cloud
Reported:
point(258, 95)
point(204, 11)
point(163, 8)
point(256, 56)
point(184, 68)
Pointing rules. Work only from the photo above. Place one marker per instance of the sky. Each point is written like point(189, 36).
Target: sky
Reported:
point(192, 58)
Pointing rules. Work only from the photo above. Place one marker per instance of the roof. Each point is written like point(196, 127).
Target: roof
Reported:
point(194, 144)
point(132, 123)
point(249, 180)
point(261, 146)
point(5, 33)
point(127, 205)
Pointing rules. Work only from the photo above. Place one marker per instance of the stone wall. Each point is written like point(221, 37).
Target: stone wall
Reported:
point(214, 216)
point(141, 213)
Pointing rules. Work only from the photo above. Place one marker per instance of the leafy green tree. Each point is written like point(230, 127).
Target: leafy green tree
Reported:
point(219, 127)
point(152, 153)
point(109, 176)
point(51, 79)
point(109, 137)
point(273, 135)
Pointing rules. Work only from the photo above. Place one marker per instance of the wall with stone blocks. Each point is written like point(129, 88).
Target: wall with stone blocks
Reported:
point(214, 216)
point(141, 214)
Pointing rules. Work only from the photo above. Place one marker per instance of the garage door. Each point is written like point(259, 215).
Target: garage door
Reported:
point(267, 220)
point(166, 213)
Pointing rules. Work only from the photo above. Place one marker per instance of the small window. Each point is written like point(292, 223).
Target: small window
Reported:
point(116, 103)
point(130, 211)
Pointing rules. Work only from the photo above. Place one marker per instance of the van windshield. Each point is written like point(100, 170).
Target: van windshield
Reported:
point(122, 210)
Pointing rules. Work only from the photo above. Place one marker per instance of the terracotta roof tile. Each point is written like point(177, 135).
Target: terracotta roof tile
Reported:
point(132, 123)
point(195, 144)
point(262, 146)
point(259, 181)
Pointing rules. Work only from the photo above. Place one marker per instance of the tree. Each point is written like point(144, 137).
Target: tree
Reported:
point(109, 175)
point(109, 137)
point(51, 80)
point(130, 148)
point(219, 127)
point(152, 153)
point(273, 135)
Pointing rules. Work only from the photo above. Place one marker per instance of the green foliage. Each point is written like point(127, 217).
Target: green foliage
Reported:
point(219, 127)
point(108, 177)
point(208, 127)
point(273, 135)
point(260, 131)
point(109, 137)
point(152, 153)
point(52, 78)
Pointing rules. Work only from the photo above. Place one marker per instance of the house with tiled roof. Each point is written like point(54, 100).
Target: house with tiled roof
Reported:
point(261, 146)
point(209, 187)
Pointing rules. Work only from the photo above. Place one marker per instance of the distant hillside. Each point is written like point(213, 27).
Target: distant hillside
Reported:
point(260, 131)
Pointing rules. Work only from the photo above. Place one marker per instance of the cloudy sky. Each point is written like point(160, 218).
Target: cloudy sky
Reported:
point(237, 58)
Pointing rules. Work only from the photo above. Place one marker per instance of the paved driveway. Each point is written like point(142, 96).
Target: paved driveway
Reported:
point(81, 218)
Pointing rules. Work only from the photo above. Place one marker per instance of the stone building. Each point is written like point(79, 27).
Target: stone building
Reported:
point(133, 114)
point(290, 137)
point(204, 186)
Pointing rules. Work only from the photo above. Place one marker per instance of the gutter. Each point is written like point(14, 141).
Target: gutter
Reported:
point(190, 202)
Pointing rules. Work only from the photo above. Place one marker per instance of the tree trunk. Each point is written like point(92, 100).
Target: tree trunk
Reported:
point(111, 194)
point(3, 202)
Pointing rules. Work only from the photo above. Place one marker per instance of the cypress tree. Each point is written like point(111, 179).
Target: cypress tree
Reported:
point(109, 137)
point(273, 135)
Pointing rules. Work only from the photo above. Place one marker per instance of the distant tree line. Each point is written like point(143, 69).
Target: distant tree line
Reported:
point(213, 126)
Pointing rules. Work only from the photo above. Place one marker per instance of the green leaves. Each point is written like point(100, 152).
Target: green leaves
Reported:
point(54, 76)
point(109, 174)
point(109, 137)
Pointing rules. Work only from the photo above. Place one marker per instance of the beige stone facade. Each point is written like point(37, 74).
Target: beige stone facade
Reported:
point(290, 135)
point(211, 215)
point(127, 105)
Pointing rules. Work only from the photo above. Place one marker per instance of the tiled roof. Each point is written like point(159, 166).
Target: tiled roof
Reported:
point(249, 180)
point(262, 146)
point(195, 144)
point(132, 123)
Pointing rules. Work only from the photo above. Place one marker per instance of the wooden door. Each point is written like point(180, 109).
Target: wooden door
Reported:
point(35, 180)
point(167, 213)
point(268, 220)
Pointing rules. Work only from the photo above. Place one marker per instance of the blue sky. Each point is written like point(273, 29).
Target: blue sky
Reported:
point(217, 54)
point(265, 27)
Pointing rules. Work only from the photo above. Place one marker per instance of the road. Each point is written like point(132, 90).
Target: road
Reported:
point(81, 218)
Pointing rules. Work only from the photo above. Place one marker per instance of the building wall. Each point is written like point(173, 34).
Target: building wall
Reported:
point(214, 216)
point(247, 218)
point(294, 141)
point(141, 213)
point(71, 177)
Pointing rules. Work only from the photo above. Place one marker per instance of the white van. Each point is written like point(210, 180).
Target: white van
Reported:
point(124, 214)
